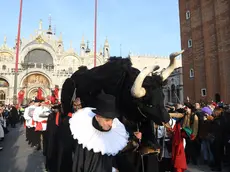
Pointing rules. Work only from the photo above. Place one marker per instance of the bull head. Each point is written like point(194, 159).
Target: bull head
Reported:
point(153, 104)
point(137, 90)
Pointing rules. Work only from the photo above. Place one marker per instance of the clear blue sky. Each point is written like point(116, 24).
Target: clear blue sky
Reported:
point(140, 26)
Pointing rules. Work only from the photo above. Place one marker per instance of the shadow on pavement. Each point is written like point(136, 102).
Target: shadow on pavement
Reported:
point(17, 155)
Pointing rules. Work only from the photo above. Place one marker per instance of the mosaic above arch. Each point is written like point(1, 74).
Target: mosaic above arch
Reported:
point(36, 80)
point(3, 83)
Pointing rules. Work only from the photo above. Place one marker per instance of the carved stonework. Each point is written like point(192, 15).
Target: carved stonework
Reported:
point(40, 40)
point(36, 80)
point(5, 56)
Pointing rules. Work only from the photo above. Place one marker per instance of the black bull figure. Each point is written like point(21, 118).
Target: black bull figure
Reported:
point(139, 96)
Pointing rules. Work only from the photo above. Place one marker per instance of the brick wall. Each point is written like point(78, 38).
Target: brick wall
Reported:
point(209, 56)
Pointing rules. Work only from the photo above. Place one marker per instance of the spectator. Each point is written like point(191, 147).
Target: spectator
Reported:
point(1, 126)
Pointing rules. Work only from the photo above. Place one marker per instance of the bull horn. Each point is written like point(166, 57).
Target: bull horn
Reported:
point(137, 90)
point(167, 72)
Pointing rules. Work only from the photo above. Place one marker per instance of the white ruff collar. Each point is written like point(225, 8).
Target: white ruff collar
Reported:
point(110, 142)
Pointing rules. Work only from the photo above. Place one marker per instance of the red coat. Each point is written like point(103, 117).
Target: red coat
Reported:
point(21, 96)
point(56, 92)
point(52, 99)
point(39, 94)
point(178, 153)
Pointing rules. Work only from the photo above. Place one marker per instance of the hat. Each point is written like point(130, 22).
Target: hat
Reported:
point(57, 106)
point(190, 106)
point(105, 106)
point(37, 100)
point(206, 110)
point(214, 104)
point(221, 104)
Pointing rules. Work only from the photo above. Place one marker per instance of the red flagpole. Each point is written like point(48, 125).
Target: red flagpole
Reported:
point(18, 37)
point(17, 53)
point(95, 34)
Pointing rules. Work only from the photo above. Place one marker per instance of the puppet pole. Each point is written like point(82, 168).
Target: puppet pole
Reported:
point(95, 34)
point(17, 54)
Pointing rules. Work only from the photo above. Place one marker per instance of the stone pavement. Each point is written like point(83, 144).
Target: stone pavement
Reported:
point(18, 156)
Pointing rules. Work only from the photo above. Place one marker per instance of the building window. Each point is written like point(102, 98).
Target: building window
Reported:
point(173, 93)
point(203, 92)
point(2, 96)
point(188, 15)
point(168, 95)
point(3, 67)
point(191, 73)
point(189, 43)
point(178, 94)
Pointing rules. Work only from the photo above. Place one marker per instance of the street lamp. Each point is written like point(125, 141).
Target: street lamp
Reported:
point(17, 54)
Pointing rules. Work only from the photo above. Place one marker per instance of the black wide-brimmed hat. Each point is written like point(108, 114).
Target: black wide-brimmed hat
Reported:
point(105, 106)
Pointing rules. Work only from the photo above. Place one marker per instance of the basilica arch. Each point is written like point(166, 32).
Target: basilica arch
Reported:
point(4, 89)
point(45, 47)
point(32, 81)
point(39, 56)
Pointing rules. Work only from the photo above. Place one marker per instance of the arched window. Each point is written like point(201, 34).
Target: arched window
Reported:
point(189, 43)
point(191, 73)
point(3, 67)
point(178, 94)
point(168, 95)
point(188, 15)
point(3, 83)
point(2, 96)
point(173, 93)
point(39, 56)
point(70, 70)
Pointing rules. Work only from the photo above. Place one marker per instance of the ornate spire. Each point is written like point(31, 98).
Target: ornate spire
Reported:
point(106, 42)
point(60, 37)
point(40, 24)
point(5, 40)
point(70, 45)
point(83, 40)
point(54, 29)
point(101, 50)
point(87, 48)
point(50, 28)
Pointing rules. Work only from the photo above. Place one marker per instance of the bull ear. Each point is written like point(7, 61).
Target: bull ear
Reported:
point(137, 90)
point(167, 72)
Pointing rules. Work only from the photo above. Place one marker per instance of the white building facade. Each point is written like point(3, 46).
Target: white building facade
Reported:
point(44, 63)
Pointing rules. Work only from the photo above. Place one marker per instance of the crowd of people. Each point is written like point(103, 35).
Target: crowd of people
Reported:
point(200, 132)
point(9, 116)
point(206, 135)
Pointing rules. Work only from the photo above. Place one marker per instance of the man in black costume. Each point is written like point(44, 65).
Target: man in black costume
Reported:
point(98, 135)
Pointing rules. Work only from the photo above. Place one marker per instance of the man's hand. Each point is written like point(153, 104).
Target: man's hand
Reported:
point(210, 118)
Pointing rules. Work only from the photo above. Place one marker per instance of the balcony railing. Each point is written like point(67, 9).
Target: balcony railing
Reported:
point(49, 67)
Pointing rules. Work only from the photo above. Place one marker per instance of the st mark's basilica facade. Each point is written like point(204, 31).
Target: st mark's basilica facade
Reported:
point(44, 62)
